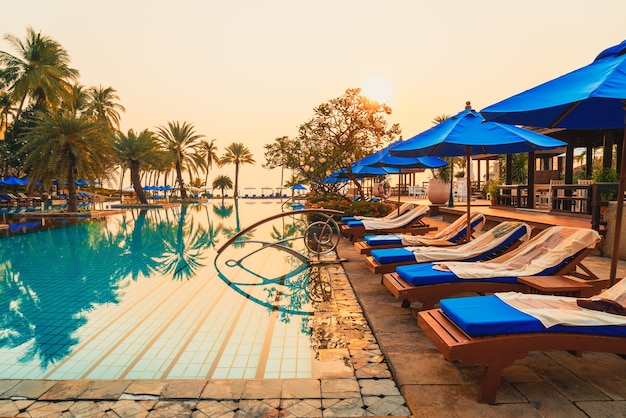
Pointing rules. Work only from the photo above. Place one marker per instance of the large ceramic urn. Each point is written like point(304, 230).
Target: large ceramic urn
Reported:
point(438, 191)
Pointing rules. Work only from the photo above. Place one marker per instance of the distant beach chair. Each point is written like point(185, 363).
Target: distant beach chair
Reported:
point(410, 222)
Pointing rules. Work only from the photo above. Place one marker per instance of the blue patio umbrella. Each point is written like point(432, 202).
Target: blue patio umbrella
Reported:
point(388, 161)
point(382, 158)
point(360, 172)
point(466, 134)
point(591, 97)
point(13, 181)
point(298, 187)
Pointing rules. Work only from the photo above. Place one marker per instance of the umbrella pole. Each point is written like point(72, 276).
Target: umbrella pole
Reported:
point(618, 214)
point(399, 188)
point(467, 194)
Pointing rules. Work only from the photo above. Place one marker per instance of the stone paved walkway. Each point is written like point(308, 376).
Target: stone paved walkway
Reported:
point(545, 384)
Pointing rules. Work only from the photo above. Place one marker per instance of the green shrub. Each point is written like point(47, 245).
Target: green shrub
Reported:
point(606, 175)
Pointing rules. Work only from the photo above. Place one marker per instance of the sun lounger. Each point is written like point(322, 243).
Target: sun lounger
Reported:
point(494, 331)
point(8, 198)
point(403, 208)
point(453, 234)
point(410, 223)
point(490, 244)
point(554, 251)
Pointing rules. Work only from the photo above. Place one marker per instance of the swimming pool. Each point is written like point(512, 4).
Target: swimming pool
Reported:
point(141, 295)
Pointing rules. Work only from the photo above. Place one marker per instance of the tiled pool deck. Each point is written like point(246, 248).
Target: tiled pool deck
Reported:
point(359, 382)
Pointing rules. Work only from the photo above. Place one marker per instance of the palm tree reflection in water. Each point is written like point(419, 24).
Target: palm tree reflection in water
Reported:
point(51, 278)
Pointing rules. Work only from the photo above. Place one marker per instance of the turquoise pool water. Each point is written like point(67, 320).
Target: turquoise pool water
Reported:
point(143, 296)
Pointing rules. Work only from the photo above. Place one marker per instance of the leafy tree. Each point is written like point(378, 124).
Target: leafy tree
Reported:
point(184, 145)
point(134, 151)
point(40, 71)
point(277, 152)
point(61, 144)
point(222, 182)
point(341, 131)
point(238, 154)
point(518, 169)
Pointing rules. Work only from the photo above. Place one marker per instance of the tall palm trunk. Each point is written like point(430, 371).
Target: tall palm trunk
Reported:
point(136, 180)
point(179, 180)
point(236, 180)
point(122, 183)
point(72, 202)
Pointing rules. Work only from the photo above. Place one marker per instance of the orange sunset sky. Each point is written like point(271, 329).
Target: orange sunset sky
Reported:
point(251, 71)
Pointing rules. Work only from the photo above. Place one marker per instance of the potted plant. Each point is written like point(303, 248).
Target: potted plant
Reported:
point(492, 190)
point(439, 186)
point(606, 175)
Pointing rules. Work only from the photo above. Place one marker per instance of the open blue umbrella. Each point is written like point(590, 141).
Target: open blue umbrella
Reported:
point(394, 164)
point(382, 158)
point(363, 171)
point(466, 134)
point(13, 181)
point(591, 97)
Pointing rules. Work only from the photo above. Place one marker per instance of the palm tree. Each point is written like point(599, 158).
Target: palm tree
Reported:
point(103, 105)
point(184, 145)
point(78, 100)
point(40, 71)
point(209, 153)
point(135, 151)
point(237, 153)
point(222, 182)
point(61, 144)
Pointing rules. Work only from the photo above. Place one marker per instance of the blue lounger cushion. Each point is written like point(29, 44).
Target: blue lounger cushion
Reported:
point(489, 315)
point(425, 274)
point(392, 255)
point(401, 254)
point(353, 224)
point(375, 240)
point(348, 218)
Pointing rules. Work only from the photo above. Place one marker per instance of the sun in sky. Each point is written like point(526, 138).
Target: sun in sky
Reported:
point(377, 87)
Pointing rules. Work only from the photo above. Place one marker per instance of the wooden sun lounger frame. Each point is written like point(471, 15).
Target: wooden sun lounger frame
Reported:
point(431, 294)
point(362, 247)
point(500, 351)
